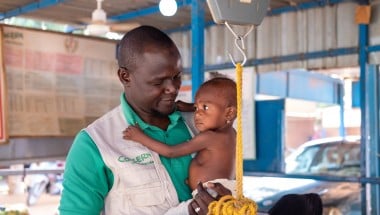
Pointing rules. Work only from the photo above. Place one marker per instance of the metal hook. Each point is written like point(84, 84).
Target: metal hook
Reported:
point(240, 47)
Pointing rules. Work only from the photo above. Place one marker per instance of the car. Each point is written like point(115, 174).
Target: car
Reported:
point(336, 156)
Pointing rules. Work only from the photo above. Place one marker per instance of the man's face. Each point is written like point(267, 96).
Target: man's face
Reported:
point(155, 82)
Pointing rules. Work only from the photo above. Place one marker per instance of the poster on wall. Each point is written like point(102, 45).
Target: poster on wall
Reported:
point(57, 83)
point(3, 120)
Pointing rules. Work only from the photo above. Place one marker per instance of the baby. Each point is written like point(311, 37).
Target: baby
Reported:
point(215, 111)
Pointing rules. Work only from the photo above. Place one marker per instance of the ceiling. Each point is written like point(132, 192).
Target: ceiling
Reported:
point(125, 13)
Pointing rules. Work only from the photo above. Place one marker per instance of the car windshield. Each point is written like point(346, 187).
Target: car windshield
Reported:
point(338, 159)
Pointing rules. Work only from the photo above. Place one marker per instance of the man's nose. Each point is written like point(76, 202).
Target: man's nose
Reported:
point(171, 86)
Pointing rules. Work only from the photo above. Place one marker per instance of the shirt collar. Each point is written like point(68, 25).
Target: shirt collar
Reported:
point(132, 118)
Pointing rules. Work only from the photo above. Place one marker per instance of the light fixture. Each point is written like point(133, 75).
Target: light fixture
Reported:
point(98, 26)
point(168, 7)
point(97, 29)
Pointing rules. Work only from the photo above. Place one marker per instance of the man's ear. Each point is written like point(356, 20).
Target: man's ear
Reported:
point(123, 76)
point(231, 113)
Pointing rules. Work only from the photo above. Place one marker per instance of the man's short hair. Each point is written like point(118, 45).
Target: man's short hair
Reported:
point(135, 42)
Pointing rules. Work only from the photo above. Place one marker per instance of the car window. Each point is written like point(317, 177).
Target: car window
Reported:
point(330, 157)
point(337, 159)
point(303, 161)
point(352, 157)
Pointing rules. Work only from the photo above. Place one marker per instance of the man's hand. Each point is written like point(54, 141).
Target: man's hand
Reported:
point(200, 203)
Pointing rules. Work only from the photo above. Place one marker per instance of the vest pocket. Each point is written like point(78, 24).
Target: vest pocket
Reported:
point(148, 199)
point(148, 196)
point(151, 200)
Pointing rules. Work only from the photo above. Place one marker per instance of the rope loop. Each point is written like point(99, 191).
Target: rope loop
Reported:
point(228, 205)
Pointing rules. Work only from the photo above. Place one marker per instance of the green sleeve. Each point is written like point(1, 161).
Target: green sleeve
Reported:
point(87, 180)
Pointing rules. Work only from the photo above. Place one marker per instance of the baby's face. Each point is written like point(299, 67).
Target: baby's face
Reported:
point(210, 113)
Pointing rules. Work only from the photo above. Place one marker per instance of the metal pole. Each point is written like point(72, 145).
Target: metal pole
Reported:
point(197, 44)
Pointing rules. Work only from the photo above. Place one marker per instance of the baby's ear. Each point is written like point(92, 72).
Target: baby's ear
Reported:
point(231, 113)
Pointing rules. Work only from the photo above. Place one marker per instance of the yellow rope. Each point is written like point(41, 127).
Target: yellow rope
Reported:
point(228, 205)
point(239, 132)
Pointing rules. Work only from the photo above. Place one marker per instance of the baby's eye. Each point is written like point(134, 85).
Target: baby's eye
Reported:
point(195, 108)
point(205, 107)
point(177, 77)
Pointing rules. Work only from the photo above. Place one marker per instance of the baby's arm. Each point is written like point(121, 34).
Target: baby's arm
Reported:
point(184, 106)
point(194, 145)
point(134, 132)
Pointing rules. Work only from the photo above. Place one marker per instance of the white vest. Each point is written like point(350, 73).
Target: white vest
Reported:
point(141, 183)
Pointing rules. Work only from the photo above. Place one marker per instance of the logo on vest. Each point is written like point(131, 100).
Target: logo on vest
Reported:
point(143, 159)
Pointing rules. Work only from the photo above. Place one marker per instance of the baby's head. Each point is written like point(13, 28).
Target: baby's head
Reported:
point(216, 101)
point(223, 88)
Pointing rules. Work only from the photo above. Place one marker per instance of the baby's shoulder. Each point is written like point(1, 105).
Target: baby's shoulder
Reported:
point(215, 136)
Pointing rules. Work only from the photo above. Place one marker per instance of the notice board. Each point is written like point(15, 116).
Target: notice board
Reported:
point(56, 83)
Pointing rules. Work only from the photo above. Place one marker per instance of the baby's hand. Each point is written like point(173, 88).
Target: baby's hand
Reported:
point(184, 106)
point(133, 132)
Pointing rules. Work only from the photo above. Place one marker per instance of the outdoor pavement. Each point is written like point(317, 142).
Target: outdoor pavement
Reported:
point(46, 205)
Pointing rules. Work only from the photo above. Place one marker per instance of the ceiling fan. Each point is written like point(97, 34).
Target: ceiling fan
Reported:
point(99, 25)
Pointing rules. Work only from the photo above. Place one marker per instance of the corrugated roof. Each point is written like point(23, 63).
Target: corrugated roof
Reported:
point(124, 13)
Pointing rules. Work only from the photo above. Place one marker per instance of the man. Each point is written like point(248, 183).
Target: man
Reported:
point(104, 173)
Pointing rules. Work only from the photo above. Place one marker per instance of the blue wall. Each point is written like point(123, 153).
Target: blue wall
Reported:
point(269, 137)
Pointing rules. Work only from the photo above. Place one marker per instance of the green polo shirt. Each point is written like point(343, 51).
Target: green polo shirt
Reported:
point(88, 180)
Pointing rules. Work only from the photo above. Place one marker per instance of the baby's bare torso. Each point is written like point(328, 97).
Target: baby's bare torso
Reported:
point(217, 160)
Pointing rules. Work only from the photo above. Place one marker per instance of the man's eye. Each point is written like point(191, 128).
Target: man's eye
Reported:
point(158, 83)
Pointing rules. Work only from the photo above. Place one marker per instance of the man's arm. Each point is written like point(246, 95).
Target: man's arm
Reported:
point(196, 144)
point(86, 179)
